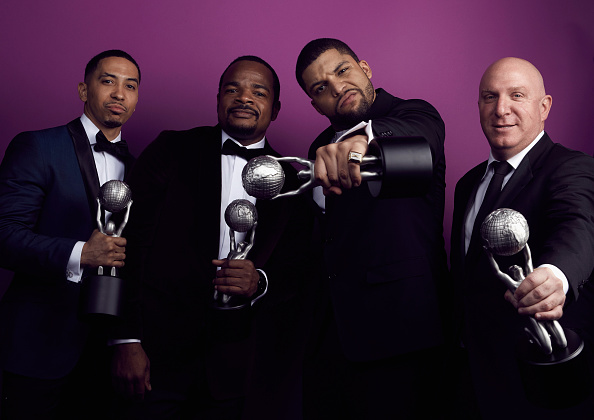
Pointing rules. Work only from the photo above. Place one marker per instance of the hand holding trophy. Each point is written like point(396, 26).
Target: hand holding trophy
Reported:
point(550, 355)
point(101, 294)
point(241, 216)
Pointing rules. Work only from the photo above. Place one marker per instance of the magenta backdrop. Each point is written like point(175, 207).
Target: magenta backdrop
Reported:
point(430, 49)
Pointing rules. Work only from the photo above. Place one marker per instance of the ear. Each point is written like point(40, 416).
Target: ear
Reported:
point(365, 67)
point(275, 110)
point(82, 91)
point(317, 108)
point(545, 107)
point(217, 101)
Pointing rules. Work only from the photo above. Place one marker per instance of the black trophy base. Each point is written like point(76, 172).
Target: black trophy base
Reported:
point(234, 303)
point(406, 167)
point(541, 373)
point(101, 299)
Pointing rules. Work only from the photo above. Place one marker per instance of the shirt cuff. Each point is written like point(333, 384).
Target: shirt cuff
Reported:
point(113, 342)
point(557, 272)
point(363, 126)
point(73, 271)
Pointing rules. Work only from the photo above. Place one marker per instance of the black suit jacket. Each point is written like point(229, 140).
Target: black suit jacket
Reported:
point(553, 187)
point(173, 235)
point(385, 257)
point(48, 190)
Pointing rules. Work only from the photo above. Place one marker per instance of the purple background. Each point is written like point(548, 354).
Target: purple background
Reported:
point(431, 49)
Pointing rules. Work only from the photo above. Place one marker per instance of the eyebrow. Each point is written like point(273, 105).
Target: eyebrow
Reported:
point(254, 85)
point(106, 74)
point(338, 66)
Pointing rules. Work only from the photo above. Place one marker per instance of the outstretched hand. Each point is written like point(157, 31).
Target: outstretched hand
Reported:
point(540, 294)
point(333, 171)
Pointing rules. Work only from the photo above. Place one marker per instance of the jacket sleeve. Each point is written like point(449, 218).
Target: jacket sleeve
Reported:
point(24, 183)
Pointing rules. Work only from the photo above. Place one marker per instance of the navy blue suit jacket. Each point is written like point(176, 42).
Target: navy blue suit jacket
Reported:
point(48, 185)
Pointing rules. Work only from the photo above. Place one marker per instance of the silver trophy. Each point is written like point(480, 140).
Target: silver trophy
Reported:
point(505, 233)
point(393, 167)
point(551, 355)
point(241, 216)
point(101, 294)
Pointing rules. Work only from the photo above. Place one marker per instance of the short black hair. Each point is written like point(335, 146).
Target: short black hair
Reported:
point(313, 50)
point(94, 62)
point(275, 80)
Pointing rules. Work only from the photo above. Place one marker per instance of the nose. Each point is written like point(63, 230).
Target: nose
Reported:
point(336, 87)
point(245, 97)
point(502, 106)
point(118, 91)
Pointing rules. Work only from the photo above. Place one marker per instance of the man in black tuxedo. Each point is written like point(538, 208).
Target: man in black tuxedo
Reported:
point(553, 187)
point(376, 351)
point(193, 361)
point(49, 181)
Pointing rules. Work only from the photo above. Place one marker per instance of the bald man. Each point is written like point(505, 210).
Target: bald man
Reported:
point(553, 187)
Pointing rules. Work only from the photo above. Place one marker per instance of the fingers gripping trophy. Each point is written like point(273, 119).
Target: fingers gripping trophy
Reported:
point(101, 294)
point(550, 355)
point(393, 167)
point(241, 216)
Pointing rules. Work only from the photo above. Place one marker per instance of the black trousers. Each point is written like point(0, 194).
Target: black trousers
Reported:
point(84, 393)
point(408, 386)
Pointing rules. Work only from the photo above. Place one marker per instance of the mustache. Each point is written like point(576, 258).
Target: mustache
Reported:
point(118, 104)
point(243, 108)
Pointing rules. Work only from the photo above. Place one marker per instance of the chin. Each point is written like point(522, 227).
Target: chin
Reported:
point(112, 124)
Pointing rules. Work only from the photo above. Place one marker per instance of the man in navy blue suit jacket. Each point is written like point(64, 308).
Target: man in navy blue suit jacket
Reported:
point(49, 181)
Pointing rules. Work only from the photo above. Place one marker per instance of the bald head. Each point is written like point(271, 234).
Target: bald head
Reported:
point(512, 65)
point(513, 105)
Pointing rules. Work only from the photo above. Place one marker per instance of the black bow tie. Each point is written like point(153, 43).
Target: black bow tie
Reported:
point(232, 148)
point(118, 149)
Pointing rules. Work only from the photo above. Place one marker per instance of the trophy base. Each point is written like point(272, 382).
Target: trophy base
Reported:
point(234, 303)
point(101, 298)
point(407, 167)
point(541, 372)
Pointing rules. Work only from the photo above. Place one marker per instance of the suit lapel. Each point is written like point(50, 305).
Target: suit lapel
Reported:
point(86, 162)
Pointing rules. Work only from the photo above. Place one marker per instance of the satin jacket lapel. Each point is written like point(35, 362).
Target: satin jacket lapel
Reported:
point(86, 162)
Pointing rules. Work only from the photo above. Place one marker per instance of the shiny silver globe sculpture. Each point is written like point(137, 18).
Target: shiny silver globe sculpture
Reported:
point(263, 177)
point(114, 196)
point(241, 215)
point(505, 232)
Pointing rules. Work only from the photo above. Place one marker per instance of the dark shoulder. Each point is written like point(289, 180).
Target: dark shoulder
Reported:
point(183, 143)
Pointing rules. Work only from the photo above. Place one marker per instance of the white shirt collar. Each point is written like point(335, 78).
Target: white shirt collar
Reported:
point(258, 145)
point(515, 160)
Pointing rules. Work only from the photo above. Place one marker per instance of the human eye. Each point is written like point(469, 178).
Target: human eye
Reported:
point(107, 81)
point(131, 86)
point(320, 89)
